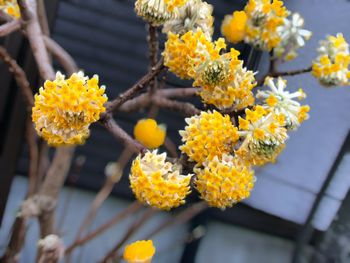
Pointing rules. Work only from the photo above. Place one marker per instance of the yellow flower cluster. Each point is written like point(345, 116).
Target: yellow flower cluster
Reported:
point(149, 133)
point(158, 183)
point(224, 181)
point(194, 15)
point(234, 26)
point(264, 18)
point(208, 135)
point(141, 251)
point(65, 108)
point(183, 54)
point(264, 136)
point(225, 83)
point(10, 7)
point(331, 67)
point(282, 102)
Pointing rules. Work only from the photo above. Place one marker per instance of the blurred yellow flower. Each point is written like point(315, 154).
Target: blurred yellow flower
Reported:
point(264, 17)
point(331, 67)
point(158, 183)
point(141, 251)
point(64, 108)
point(208, 135)
point(234, 26)
point(10, 7)
point(225, 181)
point(149, 133)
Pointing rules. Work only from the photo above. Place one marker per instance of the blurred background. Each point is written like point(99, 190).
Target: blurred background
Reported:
point(299, 209)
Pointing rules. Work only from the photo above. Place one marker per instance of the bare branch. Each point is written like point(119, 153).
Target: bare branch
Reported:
point(132, 229)
point(137, 87)
point(179, 92)
point(10, 27)
point(122, 136)
point(52, 185)
point(102, 195)
point(62, 56)
point(292, 72)
point(135, 206)
point(185, 108)
point(180, 218)
point(20, 77)
point(35, 37)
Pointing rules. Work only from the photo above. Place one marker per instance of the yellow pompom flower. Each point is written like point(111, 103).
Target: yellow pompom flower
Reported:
point(141, 251)
point(234, 26)
point(264, 136)
point(158, 183)
point(64, 108)
point(183, 54)
point(225, 83)
point(331, 67)
point(264, 17)
point(10, 7)
point(208, 135)
point(225, 181)
point(149, 133)
point(281, 101)
point(194, 15)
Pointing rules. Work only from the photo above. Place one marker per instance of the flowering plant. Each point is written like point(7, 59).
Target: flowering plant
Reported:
point(242, 123)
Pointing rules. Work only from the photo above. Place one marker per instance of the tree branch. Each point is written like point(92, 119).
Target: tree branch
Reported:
point(10, 27)
point(20, 77)
point(102, 195)
point(117, 102)
point(62, 56)
point(187, 109)
point(131, 209)
point(180, 218)
point(132, 229)
point(122, 136)
point(34, 34)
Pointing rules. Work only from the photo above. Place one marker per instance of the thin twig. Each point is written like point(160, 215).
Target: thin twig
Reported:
point(187, 109)
point(34, 34)
point(292, 72)
point(170, 147)
point(131, 209)
point(132, 229)
point(180, 218)
point(52, 185)
point(137, 87)
point(10, 27)
point(20, 77)
point(105, 190)
point(179, 92)
point(122, 136)
point(62, 56)
point(33, 156)
point(42, 17)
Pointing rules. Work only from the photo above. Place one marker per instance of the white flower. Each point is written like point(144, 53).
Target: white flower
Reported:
point(193, 15)
point(293, 36)
point(283, 102)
